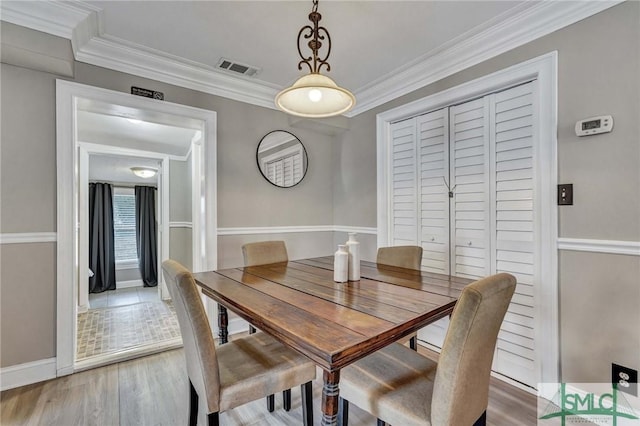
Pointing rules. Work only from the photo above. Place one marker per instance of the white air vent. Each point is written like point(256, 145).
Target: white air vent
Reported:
point(237, 67)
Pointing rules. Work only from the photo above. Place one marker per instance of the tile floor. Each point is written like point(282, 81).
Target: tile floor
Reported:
point(122, 297)
point(125, 319)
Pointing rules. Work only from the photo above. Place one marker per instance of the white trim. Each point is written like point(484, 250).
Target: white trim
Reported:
point(163, 226)
point(127, 354)
point(356, 229)
point(132, 152)
point(121, 55)
point(514, 383)
point(85, 151)
point(129, 284)
point(631, 248)
point(236, 325)
point(56, 18)
point(27, 373)
point(83, 24)
point(294, 229)
point(28, 237)
point(67, 160)
point(122, 265)
point(544, 70)
point(180, 225)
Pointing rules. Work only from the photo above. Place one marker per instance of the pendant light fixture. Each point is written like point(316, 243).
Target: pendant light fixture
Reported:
point(315, 95)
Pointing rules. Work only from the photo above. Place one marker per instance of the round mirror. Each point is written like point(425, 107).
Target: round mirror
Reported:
point(282, 159)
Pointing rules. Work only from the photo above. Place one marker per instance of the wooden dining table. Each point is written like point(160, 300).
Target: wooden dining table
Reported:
point(333, 324)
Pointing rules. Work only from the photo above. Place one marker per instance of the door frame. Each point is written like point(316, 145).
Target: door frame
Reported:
point(544, 69)
point(204, 199)
point(86, 150)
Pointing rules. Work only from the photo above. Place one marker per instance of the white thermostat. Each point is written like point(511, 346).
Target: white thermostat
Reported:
point(594, 125)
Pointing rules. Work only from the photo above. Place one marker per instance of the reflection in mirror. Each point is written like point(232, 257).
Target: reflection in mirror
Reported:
point(282, 159)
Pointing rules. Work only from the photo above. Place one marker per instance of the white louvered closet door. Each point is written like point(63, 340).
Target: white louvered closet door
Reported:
point(433, 203)
point(433, 159)
point(468, 180)
point(470, 216)
point(513, 127)
point(404, 194)
point(492, 224)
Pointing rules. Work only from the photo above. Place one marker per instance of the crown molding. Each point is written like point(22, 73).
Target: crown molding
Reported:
point(51, 17)
point(83, 25)
point(527, 24)
point(120, 55)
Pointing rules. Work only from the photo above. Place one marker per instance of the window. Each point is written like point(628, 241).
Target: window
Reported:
point(124, 226)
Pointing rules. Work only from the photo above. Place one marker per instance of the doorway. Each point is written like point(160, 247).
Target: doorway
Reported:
point(120, 304)
point(79, 138)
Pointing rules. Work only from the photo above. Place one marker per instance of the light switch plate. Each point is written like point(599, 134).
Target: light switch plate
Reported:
point(565, 194)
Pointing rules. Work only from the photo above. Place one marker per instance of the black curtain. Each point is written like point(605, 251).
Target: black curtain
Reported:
point(101, 242)
point(146, 234)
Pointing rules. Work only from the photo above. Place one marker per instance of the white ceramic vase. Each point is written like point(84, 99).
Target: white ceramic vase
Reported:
point(341, 265)
point(353, 247)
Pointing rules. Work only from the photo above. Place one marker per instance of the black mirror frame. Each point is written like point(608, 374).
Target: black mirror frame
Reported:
point(304, 150)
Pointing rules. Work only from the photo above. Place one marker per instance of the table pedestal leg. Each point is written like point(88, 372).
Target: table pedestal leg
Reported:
point(223, 323)
point(330, 393)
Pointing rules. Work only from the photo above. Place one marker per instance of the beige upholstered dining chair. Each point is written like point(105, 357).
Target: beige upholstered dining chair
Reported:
point(402, 387)
point(243, 370)
point(264, 253)
point(408, 257)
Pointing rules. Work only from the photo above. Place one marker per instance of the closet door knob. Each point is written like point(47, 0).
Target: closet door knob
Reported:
point(469, 243)
point(433, 238)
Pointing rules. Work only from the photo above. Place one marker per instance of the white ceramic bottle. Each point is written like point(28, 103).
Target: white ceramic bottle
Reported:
point(341, 265)
point(354, 257)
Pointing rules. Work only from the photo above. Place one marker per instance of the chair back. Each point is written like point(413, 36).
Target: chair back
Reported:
point(199, 345)
point(461, 387)
point(264, 253)
point(408, 257)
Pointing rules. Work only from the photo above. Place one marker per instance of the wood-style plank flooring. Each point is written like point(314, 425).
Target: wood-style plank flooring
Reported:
point(154, 391)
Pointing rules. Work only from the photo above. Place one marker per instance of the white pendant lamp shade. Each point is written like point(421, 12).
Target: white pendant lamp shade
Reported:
point(315, 96)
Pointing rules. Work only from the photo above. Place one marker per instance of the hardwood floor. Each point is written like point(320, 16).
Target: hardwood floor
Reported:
point(154, 391)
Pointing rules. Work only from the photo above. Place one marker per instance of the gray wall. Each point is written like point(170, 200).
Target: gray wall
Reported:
point(599, 293)
point(29, 199)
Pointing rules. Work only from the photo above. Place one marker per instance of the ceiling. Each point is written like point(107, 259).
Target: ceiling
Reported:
point(119, 126)
point(112, 130)
point(380, 49)
point(117, 169)
point(263, 34)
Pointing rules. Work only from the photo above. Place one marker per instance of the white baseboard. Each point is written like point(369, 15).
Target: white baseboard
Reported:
point(27, 373)
point(237, 325)
point(129, 284)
